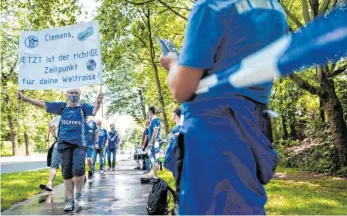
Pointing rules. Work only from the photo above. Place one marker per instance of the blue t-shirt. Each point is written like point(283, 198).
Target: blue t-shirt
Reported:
point(144, 133)
point(91, 129)
point(176, 129)
point(112, 143)
point(220, 33)
point(155, 123)
point(72, 123)
point(103, 136)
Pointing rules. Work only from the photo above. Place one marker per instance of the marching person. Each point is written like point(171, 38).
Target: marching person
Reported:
point(53, 126)
point(112, 147)
point(92, 138)
point(101, 146)
point(71, 139)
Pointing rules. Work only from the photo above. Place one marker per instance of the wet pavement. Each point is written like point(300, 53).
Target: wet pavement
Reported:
point(30, 163)
point(112, 193)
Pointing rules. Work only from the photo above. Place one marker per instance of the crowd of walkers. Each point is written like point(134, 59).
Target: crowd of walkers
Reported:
point(152, 143)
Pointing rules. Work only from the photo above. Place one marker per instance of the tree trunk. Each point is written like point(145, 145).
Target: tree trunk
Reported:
point(155, 70)
point(338, 128)
point(292, 123)
point(284, 126)
point(293, 131)
point(321, 111)
point(143, 107)
point(27, 144)
point(14, 140)
point(14, 137)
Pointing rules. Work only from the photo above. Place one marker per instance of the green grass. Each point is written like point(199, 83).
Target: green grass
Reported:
point(6, 154)
point(20, 186)
point(294, 192)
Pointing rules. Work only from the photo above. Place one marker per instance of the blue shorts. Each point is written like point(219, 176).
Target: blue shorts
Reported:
point(72, 160)
point(154, 152)
point(90, 151)
point(55, 157)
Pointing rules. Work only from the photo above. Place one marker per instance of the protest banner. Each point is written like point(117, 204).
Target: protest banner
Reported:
point(64, 57)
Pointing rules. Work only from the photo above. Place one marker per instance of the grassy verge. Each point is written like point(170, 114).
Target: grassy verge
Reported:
point(293, 192)
point(20, 186)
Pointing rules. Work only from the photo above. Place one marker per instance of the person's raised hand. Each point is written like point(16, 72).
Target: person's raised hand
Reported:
point(20, 96)
point(168, 60)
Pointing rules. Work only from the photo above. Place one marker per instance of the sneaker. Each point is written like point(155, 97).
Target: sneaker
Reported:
point(70, 205)
point(102, 171)
point(90, 175)
point(45, 187)
point(137, 168)
point(113, 169)
point(79, 200)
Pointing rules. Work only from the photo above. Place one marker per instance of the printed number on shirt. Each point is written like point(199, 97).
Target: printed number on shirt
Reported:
point(244, 6)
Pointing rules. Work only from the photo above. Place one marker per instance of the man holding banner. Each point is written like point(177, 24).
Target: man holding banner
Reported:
point(71, 139)
point(60, 58)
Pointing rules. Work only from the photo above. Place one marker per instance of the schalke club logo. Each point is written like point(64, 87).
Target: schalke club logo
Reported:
point(31, 42)
point(91, 65)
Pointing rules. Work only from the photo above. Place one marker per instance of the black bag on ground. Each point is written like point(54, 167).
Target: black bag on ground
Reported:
point(157, 200)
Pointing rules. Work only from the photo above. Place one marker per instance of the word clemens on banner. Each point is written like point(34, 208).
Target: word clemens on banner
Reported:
point(50, 37)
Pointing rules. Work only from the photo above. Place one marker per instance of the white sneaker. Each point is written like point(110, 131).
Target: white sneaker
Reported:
point(79, 200)
point(102, 171)
point(70, 205)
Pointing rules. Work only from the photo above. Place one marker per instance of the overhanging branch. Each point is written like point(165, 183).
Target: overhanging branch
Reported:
point(291, 16)
point(338, 71)
point(172, 10)
point(305, 12)
point(324, 7)
point(304, 84)
point(140, 3)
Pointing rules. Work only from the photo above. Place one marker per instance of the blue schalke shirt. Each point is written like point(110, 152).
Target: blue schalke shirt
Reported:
point(91, 129)
point(103, 136)
point(112, 143)
point(72, 123)
point(220, 33)
point(155, 123)
point(144, 133)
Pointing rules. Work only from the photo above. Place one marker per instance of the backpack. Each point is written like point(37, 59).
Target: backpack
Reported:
point(157, 200)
